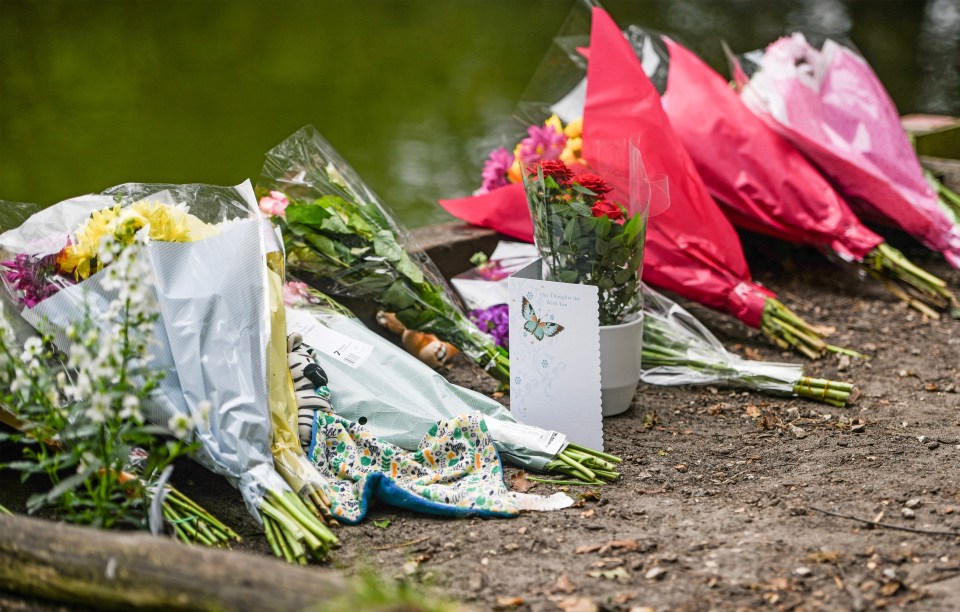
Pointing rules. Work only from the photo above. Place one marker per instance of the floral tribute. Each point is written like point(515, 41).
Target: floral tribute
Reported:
point(584, 236)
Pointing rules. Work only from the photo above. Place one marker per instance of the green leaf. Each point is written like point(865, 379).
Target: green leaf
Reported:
point(568, 276)
point(382, 524)
point(398, 296)
point(385, 245)
point(410, 269)
point(581, 189)
point(622, 276)
point(581, 209)
point(335, 224)
point(310, 214)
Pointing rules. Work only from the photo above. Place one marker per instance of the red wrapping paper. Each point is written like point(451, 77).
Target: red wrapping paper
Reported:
point(763, 183)
point(691, 249)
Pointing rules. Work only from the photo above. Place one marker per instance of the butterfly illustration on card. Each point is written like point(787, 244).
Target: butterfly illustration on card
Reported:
point(534, 325)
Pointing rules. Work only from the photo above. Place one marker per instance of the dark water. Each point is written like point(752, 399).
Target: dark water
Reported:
point(98, 93)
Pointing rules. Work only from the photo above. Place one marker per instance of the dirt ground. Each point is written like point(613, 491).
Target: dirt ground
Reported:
point(719, 506)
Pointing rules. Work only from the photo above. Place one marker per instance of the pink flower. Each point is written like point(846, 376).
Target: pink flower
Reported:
point(295, 293)
point(495, 170)
point(543, 142)
point(274, 204)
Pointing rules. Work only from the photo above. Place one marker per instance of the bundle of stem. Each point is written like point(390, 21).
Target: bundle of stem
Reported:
point(826, 391)
point(664, 346)
point(587, 465)
point(192, 524)
point(788, 330)
point(918, 288)
point(292, 530)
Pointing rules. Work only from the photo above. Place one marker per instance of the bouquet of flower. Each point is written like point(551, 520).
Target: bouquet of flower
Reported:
point(212, 333)
point(830, 104)
point(586, 237)
point(691, 248)
point(399, 399)
point(763, 183)
point(82, 411)
point(679, 350)
point(338, 234)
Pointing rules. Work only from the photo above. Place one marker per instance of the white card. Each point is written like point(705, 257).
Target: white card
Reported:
point(329, 342)
point(555, 374)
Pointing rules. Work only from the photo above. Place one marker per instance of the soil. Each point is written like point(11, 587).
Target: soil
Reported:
point(719, 506)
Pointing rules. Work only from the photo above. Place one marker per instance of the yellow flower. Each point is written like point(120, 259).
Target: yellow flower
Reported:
point(167, 224)
point(572, 151)
point(574, 129)
point(554, 122)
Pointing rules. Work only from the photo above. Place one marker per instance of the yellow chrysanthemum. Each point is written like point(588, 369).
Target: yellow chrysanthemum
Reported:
point(555, 123)
point(166, 223)
point(574, 129)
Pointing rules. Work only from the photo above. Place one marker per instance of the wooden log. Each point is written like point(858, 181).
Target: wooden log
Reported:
point(110, 570)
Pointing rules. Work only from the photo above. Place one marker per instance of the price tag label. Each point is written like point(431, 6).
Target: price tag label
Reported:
point(327, 341)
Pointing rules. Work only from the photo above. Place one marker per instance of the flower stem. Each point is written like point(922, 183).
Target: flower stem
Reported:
point(920, 289)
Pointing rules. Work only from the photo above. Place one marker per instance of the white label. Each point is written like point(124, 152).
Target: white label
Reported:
point(543, 440)
point(327, 341)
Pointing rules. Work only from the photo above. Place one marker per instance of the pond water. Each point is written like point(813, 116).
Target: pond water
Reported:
point(98, 93)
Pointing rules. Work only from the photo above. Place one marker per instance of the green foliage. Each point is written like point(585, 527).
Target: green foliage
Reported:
point(333, 234)
point(82, 419)
point(579, 246)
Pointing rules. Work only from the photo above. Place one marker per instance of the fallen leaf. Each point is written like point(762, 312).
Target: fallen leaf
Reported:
point(716, 409)
point(577, 604)
point(891, 588)
point(623, 597)
point(930, 387)
point(822, 556)
point(591, 495)
point(586, 548)
point(609, 574)
point(680, 467)
point(519, 482)
point(752, 411)
point(563, 585)
point(411, 566)
point(752, 354)
point(382, 524)
point(769, 420)
point(650, 420)
point(777, 584)
point(655, 573)
point(628, 545)
point(509, 602)
point(588, 513)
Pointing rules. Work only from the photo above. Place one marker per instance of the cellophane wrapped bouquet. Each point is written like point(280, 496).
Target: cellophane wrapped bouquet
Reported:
point(203, 251)
point(340, 236)
point(762, 181)
point(830, 104)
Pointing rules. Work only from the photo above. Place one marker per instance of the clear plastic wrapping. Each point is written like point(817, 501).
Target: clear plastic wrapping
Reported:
point(679, 350)
point(338, 235)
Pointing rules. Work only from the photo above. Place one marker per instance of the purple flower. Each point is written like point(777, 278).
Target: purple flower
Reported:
point(543, 142)
point(494, 321)
point(35, 277)
point(495, 170)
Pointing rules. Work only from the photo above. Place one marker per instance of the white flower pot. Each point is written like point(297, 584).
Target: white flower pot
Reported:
point(620, 351)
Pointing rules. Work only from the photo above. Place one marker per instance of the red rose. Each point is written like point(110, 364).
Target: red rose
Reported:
point(594, 183)
point(555, 168)
point(605, 208)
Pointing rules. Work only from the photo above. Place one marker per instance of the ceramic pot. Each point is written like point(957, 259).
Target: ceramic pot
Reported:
point(620, 351)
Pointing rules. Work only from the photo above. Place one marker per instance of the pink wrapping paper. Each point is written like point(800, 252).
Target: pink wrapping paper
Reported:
point(834, 109)
point(762, 181)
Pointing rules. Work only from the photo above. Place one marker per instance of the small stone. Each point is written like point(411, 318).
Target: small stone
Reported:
point(913, 503)
point(933, 445)
point(655, 573)
point(858, 428)
point(890, 573)
point(799, 432)
point(475, 582)
point(802, 571)
point(843, 363)
point(907, 513)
